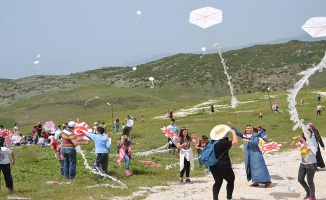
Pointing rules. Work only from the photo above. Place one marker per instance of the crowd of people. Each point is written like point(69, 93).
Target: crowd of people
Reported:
point(255, 166)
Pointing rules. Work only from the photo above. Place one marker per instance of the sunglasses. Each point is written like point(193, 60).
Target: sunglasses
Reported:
point(184, 128)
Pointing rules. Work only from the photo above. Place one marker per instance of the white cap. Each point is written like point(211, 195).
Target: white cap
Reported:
point(71, 124)
point(95, 123)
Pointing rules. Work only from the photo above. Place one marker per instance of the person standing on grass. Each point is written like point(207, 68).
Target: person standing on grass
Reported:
point(142, 119)
point(2, 139)
point(308, 164)
point(69, 152)
point(186, 156)
point(255, 165)
point(223, 169)
point(174, 128)
point(261, 114)
point(5, 166)
point(318, 97)
point(125, 149)
point(319, 107)
point(102, 147)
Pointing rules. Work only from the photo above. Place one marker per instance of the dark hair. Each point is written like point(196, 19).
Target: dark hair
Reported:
point(204, 137)
point(1, 126)
point(100, 130)
point(181, 134)
point(59, 126)
point(172, 120)
point(255, 130)
point(126, 130)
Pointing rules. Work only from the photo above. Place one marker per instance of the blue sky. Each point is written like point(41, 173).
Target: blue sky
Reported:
point(79, 35)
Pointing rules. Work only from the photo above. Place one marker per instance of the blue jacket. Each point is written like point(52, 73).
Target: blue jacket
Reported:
point(102, 144)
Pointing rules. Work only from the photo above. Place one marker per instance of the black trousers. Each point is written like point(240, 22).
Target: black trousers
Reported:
point(186, 167)
point(219, 174)
point(101, 162)
point(6, 170)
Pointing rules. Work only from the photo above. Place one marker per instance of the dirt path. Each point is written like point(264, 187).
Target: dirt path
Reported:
point(283, 168)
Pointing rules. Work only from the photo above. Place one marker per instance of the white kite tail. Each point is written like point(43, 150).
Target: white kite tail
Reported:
point(153, 151)
point(294, 116)
point(123, 186)
point(202, 54)
point(234, 101)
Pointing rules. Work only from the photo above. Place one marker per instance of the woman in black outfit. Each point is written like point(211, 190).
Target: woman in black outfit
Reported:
point(223, 169)
point(320, 161)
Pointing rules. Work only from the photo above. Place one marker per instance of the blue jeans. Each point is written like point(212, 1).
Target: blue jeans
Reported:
point(69, 162)
point(127, 161)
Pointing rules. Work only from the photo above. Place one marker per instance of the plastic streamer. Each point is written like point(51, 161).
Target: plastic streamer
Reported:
point(147, 153)
point(122, 185)
point(234, 101)
point(171, 166)
point(290, 186)
point(294, 116)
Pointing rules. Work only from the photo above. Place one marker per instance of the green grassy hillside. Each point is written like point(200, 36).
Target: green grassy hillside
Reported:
point(182, 81)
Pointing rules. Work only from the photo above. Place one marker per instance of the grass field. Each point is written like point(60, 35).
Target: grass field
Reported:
point(36, 165)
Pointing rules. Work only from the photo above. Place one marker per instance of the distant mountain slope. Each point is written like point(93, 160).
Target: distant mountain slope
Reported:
point(253, 69)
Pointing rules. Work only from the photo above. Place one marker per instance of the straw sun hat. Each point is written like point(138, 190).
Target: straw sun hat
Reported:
point(219, 132)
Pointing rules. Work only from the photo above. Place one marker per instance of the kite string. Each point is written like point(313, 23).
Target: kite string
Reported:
point(123, 186)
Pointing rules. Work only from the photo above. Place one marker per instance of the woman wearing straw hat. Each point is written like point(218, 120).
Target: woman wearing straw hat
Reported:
point(223, 170)
point(255, 165)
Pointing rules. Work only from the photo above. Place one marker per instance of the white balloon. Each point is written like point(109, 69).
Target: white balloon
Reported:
point(39, 55)
point(151, 78)
point(203, 49)
point(36, 62)
point(134, 68)
point(138, 12)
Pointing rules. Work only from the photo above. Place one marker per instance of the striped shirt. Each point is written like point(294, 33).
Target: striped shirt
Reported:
point(66, 137)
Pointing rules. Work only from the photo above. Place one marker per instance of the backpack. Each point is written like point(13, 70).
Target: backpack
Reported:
point(208, 157)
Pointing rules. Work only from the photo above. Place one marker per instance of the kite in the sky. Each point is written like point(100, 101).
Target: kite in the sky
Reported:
point(139, 15)
point(203, 50)
point(316, 27)
point(36, 62)
point(134, 68)
point(205, 17)
point(151, 79)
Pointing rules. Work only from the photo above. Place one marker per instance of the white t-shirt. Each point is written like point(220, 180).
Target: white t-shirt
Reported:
point(4, 159)
point(57, 134)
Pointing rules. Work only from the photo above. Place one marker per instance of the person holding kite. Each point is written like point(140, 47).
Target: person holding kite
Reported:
point(308, 164)
point(69, 152)
point(102, 146)
point(255, 165)
point(174, 128)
